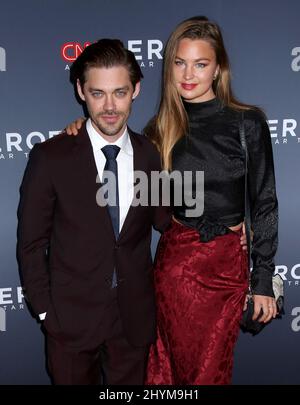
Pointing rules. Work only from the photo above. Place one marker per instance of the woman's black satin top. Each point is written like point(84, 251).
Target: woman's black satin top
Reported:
point(213, 146)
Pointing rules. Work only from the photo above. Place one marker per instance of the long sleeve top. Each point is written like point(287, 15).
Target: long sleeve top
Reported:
point(213, 146)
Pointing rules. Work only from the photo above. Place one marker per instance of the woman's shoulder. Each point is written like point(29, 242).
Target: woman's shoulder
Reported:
point(256, 126)
point(249, 112)
point(252, 116)
point(255, 114)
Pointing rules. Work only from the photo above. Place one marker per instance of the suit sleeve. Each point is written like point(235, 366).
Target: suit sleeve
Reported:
point(35, 217)
point(264, 206)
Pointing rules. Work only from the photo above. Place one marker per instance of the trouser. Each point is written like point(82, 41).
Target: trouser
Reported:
point(112, 361)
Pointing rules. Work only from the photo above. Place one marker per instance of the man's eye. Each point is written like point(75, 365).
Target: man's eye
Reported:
point(121, 93)
point(96, 94)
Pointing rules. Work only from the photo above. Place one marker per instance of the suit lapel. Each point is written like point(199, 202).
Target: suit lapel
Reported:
point(138, 165)
point(87, 172)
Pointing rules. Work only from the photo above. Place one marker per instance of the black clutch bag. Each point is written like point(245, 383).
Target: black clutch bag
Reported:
point(254, 327)
point(247, 324)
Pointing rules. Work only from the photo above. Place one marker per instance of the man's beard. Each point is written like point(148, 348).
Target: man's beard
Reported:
point(110, 129)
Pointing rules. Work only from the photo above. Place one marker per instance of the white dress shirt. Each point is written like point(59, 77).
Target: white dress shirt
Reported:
point(125, 166)
point(125, 170)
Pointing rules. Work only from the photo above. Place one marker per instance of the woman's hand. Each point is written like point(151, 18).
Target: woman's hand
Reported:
point(265, 304)
point(72, 129)
point(244, 238)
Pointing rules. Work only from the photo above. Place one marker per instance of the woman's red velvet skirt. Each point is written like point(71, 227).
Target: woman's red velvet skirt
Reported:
point(200, 291)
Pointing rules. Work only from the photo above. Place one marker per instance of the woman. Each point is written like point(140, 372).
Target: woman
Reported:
point(201, 275)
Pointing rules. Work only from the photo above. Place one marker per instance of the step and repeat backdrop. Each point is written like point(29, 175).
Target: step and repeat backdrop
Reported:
point(39, 40)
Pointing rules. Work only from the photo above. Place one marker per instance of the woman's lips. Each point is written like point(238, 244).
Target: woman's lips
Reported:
point(188, 86)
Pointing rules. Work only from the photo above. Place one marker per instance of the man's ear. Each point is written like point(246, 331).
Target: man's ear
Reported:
point(79, 90)
point(136, 90)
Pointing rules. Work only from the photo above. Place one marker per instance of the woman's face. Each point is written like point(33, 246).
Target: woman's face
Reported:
point(194, 70)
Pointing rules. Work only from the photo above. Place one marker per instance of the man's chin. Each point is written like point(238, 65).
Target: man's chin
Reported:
point(109, 130)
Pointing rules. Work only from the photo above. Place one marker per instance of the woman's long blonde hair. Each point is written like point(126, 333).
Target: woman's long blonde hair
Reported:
point(171, 122)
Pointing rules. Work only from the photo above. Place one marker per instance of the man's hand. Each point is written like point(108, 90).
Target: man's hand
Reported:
point(73, 128)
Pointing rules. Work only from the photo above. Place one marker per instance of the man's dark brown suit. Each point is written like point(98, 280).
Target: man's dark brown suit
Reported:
point(67, 250)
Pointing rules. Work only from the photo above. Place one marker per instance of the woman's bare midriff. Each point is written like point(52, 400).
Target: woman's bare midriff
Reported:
point(236, 228)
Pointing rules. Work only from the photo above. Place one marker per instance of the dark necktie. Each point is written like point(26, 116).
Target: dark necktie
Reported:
point(111, 165)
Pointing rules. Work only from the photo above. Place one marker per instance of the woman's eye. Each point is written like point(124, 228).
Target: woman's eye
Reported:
point(178, 62)
point(200, 65)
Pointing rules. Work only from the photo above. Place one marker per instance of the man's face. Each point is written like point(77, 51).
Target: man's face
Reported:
point(108, 93)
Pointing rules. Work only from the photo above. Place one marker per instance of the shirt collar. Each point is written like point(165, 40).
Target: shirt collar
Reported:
point(98, 142)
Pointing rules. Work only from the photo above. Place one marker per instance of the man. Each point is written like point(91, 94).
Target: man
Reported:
point(87, 268)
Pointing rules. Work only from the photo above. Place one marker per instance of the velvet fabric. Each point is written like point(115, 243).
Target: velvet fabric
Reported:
point(200, 291)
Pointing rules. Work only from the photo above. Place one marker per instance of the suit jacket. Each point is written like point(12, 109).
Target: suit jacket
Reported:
point(66, 245)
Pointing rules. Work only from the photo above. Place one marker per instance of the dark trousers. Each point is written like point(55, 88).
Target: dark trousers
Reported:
point(113, 361)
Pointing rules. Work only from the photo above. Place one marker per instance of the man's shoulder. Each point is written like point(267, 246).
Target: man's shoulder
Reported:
point(62, 140)
point(58, 146)
point(54, 151)
point(144, 142)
